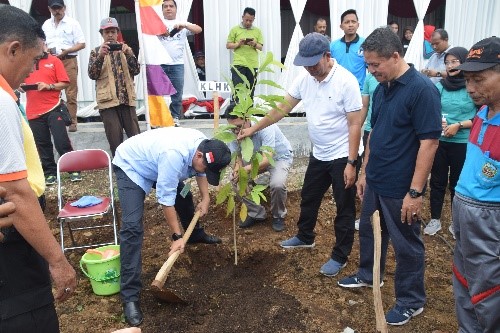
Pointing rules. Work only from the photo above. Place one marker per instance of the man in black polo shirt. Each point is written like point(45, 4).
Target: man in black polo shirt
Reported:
point(406, 126)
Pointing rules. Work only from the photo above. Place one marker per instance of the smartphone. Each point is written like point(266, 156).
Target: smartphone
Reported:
point(115, 47)
point(174, 31)
point(247, 40)
point(52, 50)
point(27, 87)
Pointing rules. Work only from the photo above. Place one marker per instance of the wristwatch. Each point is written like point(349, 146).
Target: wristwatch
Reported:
point(460, 125)
point(438, 74)
point(352, 162)
point(176, 236)
point(414, 193)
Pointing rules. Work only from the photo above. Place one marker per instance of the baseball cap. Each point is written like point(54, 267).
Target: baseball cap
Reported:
point(483, 55)
point(198, 54)
point(109, 22)
point(55, 3)
point(311, 48)
point(217, 156)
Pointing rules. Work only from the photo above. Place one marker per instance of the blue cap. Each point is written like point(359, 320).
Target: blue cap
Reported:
point(311, 48)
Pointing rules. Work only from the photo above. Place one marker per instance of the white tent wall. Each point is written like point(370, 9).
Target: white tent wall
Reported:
point(220, 16)
point(414, 52)
point(22, 4)
point(467, 22)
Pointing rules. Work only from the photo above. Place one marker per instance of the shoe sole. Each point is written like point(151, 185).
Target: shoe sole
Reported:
point(332, 275)
point(416, 313)
point(431, 234)
point(359, 285)
point(76, 180)
point(305, 246)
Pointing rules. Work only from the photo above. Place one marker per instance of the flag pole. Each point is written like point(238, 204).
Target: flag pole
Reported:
point(142, 62)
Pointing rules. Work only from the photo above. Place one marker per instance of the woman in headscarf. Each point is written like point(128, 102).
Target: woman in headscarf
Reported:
point(407, 35)
point(428, 50)
point(458, 110)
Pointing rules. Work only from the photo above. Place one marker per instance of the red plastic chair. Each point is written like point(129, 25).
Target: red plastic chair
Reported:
point(85, 160)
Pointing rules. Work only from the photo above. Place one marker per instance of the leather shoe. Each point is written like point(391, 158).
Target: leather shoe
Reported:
point(206, 239)
point(133, 313)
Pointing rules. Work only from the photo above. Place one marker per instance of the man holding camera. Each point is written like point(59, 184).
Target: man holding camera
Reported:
point(245, 39)
point(113, 66)
point(64, 39)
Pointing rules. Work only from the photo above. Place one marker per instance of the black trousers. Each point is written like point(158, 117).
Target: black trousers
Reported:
point(246, 72)
point(446, 169)
point(318, 178)
point(42, 128)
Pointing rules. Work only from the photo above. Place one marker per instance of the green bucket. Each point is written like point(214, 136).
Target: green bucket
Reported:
point(104, 274)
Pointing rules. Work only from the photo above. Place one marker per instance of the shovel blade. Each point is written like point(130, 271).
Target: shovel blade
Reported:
point(166, 295)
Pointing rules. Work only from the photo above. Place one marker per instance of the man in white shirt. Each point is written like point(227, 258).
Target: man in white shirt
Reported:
point(332, 100)
point(435, 68)
point(64, 39)
point(174, 41)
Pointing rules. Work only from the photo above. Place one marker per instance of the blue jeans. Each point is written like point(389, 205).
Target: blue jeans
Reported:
point(406, 241)
point(176, 75)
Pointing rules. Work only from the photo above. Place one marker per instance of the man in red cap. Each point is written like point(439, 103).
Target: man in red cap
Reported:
point(476, 205)
point(64, 39)
point(113, 66)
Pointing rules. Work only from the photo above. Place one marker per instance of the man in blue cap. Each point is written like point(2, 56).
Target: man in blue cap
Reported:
point(332, 100)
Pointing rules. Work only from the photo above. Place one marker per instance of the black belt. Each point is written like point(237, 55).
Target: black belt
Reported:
point(67, 57)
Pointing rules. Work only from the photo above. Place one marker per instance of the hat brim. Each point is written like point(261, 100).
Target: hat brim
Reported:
point(213, 177)
point(56, 5)
point(108, 26)
point(307, 61)
point(473, 66)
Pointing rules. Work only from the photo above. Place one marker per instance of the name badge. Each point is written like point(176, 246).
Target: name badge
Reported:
point(185, 190)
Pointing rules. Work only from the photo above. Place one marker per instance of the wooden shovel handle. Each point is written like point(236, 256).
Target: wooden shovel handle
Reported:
point(377, 295)
point(162, 274)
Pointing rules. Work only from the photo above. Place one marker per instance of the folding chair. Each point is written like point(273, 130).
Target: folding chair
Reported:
point(85, 160)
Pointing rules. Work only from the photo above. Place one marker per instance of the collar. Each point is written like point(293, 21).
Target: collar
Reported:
point(483, 114)
point(403, 79)
point(5, 86)
point(62, 20)
point(444, 52)
point(243, 27)
point(355, 40)
point(330, 73)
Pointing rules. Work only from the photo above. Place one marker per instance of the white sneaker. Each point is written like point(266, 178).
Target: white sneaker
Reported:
point(433, 227)
point(177, 122)
point(356, 224)
point(450, 229)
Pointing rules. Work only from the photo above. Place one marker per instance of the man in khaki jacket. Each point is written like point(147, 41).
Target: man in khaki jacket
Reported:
point(113, 66)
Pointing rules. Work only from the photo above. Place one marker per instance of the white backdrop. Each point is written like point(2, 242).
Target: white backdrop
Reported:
point(414, 52)
point(466, 22)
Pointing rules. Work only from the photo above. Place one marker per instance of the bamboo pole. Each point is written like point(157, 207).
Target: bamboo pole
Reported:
point(377, 295)
point(216, 110)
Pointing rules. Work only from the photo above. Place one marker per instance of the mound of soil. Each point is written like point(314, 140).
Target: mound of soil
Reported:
point(269, 290)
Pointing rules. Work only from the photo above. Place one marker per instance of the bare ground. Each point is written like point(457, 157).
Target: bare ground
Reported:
point(269, 290)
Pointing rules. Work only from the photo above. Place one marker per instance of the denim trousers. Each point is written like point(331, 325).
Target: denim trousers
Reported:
point(176, 75)
point(132, 231)
point(42, 128)
point(318, 178)
point(448, 163)
point(406, 241)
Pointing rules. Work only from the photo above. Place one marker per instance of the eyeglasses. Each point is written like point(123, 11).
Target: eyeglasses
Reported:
point(454, 61)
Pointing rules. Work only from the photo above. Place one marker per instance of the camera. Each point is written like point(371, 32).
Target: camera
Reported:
point(173, 32)
point(115, 47)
